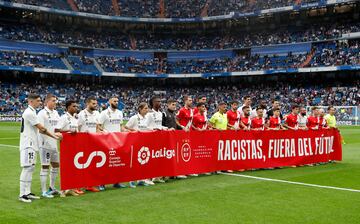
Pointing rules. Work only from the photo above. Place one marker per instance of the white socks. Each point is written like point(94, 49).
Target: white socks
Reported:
point(53, 174)
point(43, 179)
point(25, 180)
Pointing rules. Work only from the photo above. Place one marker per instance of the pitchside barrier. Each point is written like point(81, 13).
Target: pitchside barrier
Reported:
point(107, 158)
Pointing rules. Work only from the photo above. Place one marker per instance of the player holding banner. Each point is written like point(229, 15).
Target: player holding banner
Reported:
point(69, 123)
point(49, 154)
point(200, 120)
point(140, 122)
point(258, 122)
point(233, 116)
point(111, 120)
point(274, 122)
point(88, 119)
point(29, 145)
point(185, 115)
point(291, 120)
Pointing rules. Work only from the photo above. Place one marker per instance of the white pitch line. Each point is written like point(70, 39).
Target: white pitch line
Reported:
point(8, 138)
point(292, 182)
point(10, 146)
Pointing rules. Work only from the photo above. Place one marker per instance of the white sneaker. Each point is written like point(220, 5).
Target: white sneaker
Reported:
point(158, 180)
point(47, 195)
point(32, 196)
point(25, 199)
point(149, 182)
point(193, 175)
point(181, 177)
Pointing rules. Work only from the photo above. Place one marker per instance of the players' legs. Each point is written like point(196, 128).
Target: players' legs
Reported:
point(44, 172)
point(54, 158)
point(27, 161)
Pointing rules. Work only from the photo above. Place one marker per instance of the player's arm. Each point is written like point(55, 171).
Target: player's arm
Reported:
point(178, 116)
point(130, 124)
point(100, 123)
point(81, 121)
point(44, 131)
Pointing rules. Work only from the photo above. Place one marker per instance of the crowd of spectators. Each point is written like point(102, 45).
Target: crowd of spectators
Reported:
point(101, 39)
point(12, 96)
point(171, 8)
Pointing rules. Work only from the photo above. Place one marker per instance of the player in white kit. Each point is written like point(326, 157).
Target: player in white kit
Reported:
point(140, 122)
point(29, 145)
point(68, 123)
point(111, 120)
point(88, 119)
point(49, 154)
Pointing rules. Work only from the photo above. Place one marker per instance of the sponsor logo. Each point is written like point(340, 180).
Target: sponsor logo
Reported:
point(145, 154)
point(89, 160)
point(186, 152)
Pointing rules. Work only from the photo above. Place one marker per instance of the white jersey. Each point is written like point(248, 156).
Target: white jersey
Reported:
point(139, 123)
point(68, 123)
point(254, 114)
point(302, 120)
point(155, 119)
point(111, 120)
point(49, 119)
point(29, 133)
point(87, 121)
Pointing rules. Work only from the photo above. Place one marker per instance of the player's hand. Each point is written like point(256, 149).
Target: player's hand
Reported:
point(58, 136)
point(171, 129)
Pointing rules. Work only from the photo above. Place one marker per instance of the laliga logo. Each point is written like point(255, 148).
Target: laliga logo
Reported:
point(144, 155)
point(90, 158)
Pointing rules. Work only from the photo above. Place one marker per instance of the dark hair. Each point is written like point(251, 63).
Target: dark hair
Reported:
point(201, 96)
point(331, 107)
point(33, 96)
point(234, 102)
point(89, 99)
point(294, 107)
point(245, 107)
point(152, 100)
point(276, 109)
point(170, 101)
point(259, 108)
point(274, 100)
point(200, 104)
point(222, 103)
point(141, 106)
point(68, 103)
point(245, 97)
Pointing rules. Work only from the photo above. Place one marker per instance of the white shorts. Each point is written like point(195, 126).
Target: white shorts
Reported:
point(48, 156)
point(27, 157)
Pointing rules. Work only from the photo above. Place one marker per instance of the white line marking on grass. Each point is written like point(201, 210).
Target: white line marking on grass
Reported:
point(9, 138)
point(9, 146)
point(291, 182)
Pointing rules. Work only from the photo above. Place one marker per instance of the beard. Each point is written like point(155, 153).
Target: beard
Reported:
point(113, 106)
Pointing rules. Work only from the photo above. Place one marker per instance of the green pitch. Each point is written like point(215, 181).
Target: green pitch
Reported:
point(210, 199)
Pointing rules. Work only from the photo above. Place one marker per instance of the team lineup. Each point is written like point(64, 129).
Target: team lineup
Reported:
point(40, 132)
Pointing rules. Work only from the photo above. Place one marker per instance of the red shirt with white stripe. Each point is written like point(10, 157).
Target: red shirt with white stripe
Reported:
point(199, 121)
point(246, 121)
point(313, 122)
point(233, 118)
point(292, 120)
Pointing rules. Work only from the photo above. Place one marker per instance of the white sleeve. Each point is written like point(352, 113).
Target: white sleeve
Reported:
point(41, 117)
point(151, 121)
point(131, 122)
point(101, 118)
point(81, 120)
point(61, 123)
point(32, 118)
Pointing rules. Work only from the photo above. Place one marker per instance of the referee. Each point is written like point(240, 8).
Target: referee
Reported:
point(219, 119)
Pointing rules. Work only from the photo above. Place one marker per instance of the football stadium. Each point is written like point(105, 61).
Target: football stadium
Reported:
point(179, 111)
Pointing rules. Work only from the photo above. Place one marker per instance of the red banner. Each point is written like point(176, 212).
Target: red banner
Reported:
point(97, 159)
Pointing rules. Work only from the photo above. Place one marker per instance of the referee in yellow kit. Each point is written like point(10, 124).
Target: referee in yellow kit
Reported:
point(331, 120)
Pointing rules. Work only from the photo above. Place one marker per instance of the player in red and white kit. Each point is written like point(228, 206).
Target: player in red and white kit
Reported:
point(274, 122)
point(322, 120)
point(291, 120)
point(200, 120)
point(258, 122)
point(313, 119)
point(185, 115)
point(201, 99)
point(245, 120)
point(233, 116)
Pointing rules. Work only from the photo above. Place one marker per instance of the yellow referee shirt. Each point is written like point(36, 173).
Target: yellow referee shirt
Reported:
point(219, 121)
point(330, 120)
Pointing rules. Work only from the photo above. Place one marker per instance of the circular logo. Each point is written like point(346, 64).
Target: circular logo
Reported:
point(186, 152)
point(143, 155)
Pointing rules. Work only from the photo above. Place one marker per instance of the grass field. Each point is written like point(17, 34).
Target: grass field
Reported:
point(210, 199)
